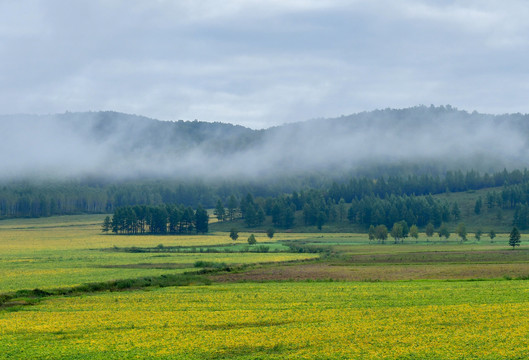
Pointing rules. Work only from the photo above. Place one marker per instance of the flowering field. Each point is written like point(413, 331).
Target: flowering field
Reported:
point(66, 251)
point(303, 320)
point(314, 318)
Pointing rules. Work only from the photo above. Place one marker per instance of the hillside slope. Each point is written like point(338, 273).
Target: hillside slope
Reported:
point(109, 144)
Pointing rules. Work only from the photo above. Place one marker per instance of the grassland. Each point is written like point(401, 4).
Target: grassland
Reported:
point(313, 296)
point(68, 251)
point(303, 320)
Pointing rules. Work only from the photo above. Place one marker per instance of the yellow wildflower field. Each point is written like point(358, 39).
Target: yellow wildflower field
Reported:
point(304, 320)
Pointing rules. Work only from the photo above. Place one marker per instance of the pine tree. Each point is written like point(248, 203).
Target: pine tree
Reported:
point(201, 220)
point(219, 211)
point(252, 240)
point(106, 225)
point(232, 207)
point(492, 235)
point(477, 207)
point(514, 238)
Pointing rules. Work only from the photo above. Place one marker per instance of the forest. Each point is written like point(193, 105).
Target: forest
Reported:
point(364, 202)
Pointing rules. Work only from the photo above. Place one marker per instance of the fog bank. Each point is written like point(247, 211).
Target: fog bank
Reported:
point(115, 145)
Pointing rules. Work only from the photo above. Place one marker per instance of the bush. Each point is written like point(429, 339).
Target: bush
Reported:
point(263, 249)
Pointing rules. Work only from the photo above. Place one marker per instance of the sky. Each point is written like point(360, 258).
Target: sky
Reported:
point(261, 63)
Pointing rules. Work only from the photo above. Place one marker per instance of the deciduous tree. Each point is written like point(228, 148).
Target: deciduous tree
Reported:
point(414, 232)
point(429, 230)
point(461, 231)
point(397, 232)
point(371, 233)
point(381, 233)
point(444, 232)
point(234, 234)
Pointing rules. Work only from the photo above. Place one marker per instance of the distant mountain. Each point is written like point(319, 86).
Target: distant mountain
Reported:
point(111, 144)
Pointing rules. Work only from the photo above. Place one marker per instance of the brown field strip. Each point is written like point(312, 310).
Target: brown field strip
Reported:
point(323, 271)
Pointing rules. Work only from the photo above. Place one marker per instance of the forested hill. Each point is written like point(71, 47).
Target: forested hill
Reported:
point(115, 145)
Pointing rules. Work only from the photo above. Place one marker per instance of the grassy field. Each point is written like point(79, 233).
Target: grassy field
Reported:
point(303, 320)
point(67, 251)
point(312, 296)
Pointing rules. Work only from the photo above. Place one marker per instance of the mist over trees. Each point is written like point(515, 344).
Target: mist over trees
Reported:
point(373, 168)
point(418, 140)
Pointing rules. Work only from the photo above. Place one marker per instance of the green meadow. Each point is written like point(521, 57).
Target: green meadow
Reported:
point(307, 296)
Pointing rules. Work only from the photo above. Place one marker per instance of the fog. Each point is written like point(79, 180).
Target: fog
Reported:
point(119, 146)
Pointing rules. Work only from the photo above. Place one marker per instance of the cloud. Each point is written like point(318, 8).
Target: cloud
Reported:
point(261, 63)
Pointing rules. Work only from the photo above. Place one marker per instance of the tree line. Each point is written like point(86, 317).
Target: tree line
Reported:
point(317, 208)
point(319, 198)
point(511, 197)
point(163, 219)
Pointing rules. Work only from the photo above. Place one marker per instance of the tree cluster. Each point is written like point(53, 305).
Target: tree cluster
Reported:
point(39, 199)
point(172, 219)
point(413, 210)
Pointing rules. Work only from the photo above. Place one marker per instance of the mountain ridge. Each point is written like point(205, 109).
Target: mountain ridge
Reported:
point(118, 144)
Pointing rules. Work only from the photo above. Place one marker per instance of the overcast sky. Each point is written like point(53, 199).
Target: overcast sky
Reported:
point(262, 62)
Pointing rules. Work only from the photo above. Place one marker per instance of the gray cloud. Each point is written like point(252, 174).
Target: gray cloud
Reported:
point(261, 63)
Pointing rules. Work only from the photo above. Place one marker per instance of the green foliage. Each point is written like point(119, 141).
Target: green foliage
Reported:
point(173, 219)
point(429, 230)
point(492, 235)
point(201, 220)
point(210, 264)
point(232, 207)
point(477, 207)
point(444, 232)
point(219, 211)
point(234, 234)
point(456, 213)
point(381, 233)
point(270, 233)
point(252, 212)
point(461, 231)
point(478, 234)
point(514, 238)
point(414, 232)
point(397, 232)
point(371, 233)
point(107, 225)
point(252, 240)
